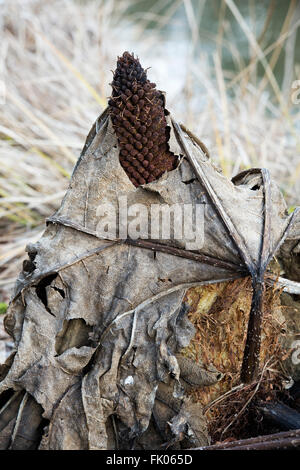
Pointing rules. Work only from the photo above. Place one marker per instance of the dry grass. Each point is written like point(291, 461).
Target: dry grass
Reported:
point(56, 62)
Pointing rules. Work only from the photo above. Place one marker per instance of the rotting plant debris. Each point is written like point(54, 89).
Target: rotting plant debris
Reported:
point(220, 314)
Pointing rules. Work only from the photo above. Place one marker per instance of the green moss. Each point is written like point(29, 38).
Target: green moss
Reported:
point(3, 308)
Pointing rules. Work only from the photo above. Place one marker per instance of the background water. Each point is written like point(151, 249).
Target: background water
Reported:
point(208, 26)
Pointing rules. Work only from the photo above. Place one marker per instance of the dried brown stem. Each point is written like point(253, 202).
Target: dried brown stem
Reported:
point(151, 245)
point(250, 365)
point(282, 440)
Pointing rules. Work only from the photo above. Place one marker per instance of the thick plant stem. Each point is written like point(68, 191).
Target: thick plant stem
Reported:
point(250, 365)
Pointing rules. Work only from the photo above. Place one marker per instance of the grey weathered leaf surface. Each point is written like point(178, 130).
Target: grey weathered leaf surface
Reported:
point(99, 323)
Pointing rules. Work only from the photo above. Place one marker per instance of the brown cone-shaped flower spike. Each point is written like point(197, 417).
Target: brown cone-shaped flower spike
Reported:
point(138, 117)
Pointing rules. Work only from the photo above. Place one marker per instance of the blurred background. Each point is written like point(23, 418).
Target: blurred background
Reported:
point(231, 70)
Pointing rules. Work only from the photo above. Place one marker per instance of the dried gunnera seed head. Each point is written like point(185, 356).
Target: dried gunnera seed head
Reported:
point(138, 116)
